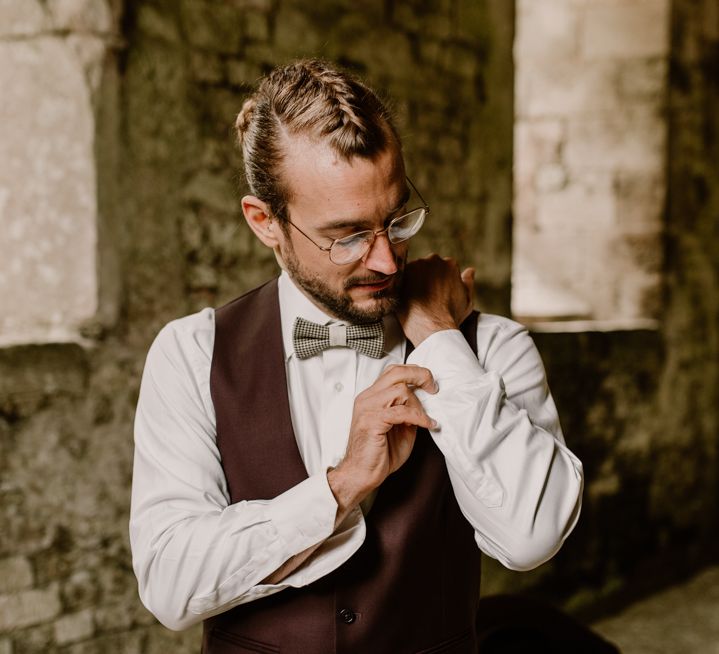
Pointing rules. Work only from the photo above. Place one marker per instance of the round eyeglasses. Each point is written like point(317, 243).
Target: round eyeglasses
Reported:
point(354, 247)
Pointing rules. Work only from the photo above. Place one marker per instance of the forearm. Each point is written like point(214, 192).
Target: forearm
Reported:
point(193, 561)
point(514, 479)
point(520, 490)
point(347, 499)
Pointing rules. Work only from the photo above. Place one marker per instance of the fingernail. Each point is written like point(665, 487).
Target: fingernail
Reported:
point(436, 386)
point(434, 424)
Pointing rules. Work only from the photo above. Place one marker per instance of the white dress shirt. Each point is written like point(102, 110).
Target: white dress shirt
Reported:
point(196, 555)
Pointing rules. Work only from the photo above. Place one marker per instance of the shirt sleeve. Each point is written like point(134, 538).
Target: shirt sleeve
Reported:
point(515, 480)
point(194, 553)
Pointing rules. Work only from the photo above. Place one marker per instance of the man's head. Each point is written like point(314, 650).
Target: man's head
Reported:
point(323, 161)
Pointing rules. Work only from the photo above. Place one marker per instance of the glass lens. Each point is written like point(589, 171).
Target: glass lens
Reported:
point(351, 248)
point(406, 226)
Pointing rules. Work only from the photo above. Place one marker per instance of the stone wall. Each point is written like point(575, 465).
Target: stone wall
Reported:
point(164, 89)
point(639, 407)
point(590, 155)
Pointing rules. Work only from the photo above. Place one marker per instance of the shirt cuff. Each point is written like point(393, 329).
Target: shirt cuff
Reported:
point(305, 514)
point(448, 356)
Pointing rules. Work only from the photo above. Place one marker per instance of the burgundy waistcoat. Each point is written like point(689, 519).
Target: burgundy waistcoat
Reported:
point(412, 587)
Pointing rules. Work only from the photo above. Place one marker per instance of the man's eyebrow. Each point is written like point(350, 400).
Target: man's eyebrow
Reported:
point(362, 223)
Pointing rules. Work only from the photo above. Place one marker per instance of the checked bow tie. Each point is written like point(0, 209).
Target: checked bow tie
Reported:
point(309, 338)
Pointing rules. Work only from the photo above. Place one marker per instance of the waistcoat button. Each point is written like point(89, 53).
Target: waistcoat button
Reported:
point(347, 616)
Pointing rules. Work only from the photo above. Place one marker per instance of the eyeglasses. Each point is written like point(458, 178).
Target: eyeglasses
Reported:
point(354, 247)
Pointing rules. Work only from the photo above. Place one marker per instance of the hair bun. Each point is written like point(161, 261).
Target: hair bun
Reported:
point(244, 118)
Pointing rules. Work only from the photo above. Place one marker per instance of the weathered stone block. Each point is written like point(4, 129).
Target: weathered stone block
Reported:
point(22, 18)
point(81, 15)
point(28, 608)
point(220, 107)
point(15, 574)
point(583, 202)
point(242, 73)
point(257, 25)
point(550, 177)
point(640, 295)
point(552, 22)
point(42, 370)
point(5, 646)
point(640, 200)
point(644, 250)
point(638, 28)
point(644, 80)
point(114, 617)
point(294, 37)
point(129, 643)
point(213, 191)
point(568, 87)
point(80, 590)
point(34, 640)
point(157, 24)
point(74, 627)
point(90, 51)
point(212, 26)
point(206, 68)
point(537, 142)
point(633, 140)
point(473, 23)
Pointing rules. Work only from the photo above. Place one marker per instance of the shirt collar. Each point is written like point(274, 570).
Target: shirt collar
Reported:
point(294, 303)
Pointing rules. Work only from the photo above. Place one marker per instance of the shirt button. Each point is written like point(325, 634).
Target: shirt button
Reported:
point(347, 616)
point(339, 387)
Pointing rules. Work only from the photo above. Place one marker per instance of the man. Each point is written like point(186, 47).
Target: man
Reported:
point(333, 494)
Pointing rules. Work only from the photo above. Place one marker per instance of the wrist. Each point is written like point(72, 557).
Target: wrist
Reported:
point(348, 493)
point(417, 330)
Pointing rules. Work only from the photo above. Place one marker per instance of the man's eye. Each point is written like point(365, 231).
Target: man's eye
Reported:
point(353, 239)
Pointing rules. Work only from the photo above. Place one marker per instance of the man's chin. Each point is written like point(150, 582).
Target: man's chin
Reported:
point(376, 306)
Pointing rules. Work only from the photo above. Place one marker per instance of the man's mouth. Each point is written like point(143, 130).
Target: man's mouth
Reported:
point(374, 285)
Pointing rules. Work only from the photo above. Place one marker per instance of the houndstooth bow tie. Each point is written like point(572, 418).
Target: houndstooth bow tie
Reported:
point(309, 338)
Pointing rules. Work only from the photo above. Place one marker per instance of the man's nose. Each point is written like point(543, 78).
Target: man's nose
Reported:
point(380, 256)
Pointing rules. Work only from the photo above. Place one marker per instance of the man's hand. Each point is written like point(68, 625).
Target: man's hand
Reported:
point(382, 433)
point(435, 296)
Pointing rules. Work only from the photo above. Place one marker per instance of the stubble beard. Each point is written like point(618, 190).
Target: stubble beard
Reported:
point(341, 304)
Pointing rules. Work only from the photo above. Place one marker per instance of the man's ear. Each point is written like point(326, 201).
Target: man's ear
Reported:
point(257, 215)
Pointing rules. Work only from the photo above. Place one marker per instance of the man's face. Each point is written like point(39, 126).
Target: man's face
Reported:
point(332, 198)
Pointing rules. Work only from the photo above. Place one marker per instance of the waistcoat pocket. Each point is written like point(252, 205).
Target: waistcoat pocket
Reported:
point(225, 642)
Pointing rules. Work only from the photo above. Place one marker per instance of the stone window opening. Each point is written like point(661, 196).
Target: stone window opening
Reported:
point(589, 163)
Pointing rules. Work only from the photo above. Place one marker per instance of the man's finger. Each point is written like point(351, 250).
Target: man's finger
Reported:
point(468, 277)
point(410, 375)
point(468, 281)
point(403, 414)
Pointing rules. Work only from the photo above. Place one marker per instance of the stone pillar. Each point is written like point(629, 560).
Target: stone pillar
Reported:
point(51, 56)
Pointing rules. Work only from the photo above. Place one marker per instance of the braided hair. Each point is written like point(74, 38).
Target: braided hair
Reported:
point(308, 98)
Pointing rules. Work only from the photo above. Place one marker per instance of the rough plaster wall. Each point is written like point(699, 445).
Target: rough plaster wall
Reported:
point(166, 90)
point(590, 156)
point(692, 250)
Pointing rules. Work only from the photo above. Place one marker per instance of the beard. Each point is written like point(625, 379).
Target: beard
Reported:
point(339, 303)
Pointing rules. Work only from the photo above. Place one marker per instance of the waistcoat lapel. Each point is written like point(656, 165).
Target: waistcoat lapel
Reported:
point(248, 384)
